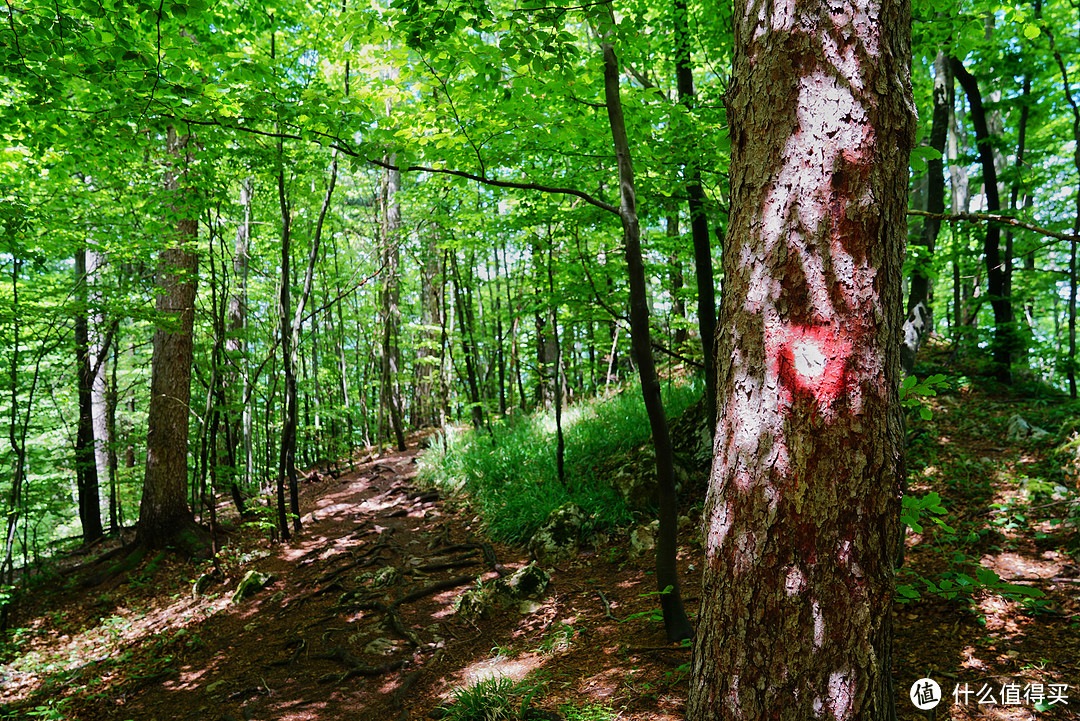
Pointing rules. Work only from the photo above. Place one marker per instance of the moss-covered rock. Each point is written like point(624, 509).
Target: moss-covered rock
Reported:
point(253, 582)
point(561, 535)
point(529, 582)
point(643, 538)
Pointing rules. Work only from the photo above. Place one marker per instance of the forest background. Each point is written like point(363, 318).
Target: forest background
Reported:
point(370, 219)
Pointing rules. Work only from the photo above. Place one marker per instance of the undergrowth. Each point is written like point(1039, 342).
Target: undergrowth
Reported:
point(509, 471)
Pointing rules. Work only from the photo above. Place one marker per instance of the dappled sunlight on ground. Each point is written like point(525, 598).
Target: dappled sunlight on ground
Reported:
point(148, 649)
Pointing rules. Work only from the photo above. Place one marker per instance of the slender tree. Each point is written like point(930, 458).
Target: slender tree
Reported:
point(676, 623)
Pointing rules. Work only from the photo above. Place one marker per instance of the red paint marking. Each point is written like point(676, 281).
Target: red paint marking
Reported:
point(810, 360)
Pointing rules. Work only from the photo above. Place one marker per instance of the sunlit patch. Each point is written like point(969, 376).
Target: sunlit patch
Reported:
point(514, 669)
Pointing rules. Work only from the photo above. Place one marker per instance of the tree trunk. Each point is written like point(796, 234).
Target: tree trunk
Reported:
point(996, 286)
point(802, 513)
point(1075, 108)
point(919, 321)
point(699, 222)
point(468, 349)
point(676, 623)
point(164, 516)
point(239, 425)
point(389, 355)
point(86, 472)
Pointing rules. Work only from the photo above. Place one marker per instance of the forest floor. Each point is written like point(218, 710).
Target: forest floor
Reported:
point(321, 642)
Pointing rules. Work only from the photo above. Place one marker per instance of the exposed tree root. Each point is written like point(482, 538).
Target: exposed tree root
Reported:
point(355, 666)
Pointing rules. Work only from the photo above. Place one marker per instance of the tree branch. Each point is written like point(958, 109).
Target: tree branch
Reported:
point(997, 218)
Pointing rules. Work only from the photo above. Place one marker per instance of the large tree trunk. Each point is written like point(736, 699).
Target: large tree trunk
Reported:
point(390, 312)
point(676, 623)
point(802, 514)
point(164, 516)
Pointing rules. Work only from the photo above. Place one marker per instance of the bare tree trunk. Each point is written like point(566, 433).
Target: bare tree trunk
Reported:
point(802, 514)
point(676, 623)
point(86, 473)
point(997, 289)
point(389, 355)
point(239, 425)
point(699, 222)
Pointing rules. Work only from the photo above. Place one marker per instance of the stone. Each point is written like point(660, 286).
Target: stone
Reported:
point(1020, 430)
point(250, 584)
point(527, 607)
point(476, 603)
point(561, 535)
point(385, 577)
point(381, 647)
point(643, 538)
point(529, 582)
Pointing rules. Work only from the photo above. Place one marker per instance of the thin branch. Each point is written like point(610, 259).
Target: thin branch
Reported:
point(501, 183)
point(997, 218)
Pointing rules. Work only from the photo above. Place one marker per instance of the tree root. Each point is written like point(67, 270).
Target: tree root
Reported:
point(355, 666)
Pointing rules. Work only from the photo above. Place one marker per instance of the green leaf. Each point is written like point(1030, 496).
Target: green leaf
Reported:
point(1032, 31)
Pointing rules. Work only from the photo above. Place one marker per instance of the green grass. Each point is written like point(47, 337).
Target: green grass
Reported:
point(510, 474)
point(492, 699)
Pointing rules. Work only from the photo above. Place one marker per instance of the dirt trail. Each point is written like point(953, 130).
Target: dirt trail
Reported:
point(359, 622)
point(337, 636)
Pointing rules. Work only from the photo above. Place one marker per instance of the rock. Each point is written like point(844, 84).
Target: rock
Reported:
point(216, 686)
point(203, 582)
point(527, 607)
point(521, 589)
point(1020, 430)
point(252, 583)
point(476, 603)
point(529, 582)
point(561, 535)
point(636, 481)
point(643, 538)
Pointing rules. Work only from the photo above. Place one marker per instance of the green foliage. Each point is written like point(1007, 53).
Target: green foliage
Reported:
point(913, 510)
point(913, 390)
point(954, 585)
point(509, 472)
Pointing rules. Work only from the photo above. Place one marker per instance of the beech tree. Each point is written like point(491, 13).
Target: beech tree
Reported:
point(164, 516)
point(802, 513)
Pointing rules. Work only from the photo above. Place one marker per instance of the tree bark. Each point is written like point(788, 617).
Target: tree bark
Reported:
point(676, 623)
point(164, 516)
point(86, 472)
point(802, 512)
point(389, 355)
point(239, 424)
